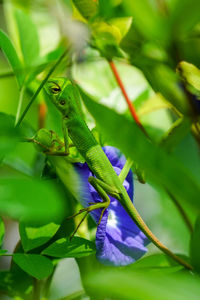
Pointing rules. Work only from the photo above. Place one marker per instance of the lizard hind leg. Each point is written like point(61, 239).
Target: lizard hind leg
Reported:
point(106, 200)
point(76, 229)
point(99, 205)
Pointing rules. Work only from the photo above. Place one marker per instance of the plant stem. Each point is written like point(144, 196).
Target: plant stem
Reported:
point(42, 114)
point(197, 127)
point(47, 285)
point(7, 74)
point(162, 6)
point(75, 295)
point(128, 101)
point(19, 106)
point(182, 212)
point(128, 205)
point(36, 290)
point(195, 133)
point(41, 86)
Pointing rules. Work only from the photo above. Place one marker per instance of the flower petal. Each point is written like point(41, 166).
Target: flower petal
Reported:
point(119, 241)
point(112, 249)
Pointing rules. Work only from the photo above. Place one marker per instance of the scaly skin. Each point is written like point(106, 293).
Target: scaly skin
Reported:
point(65, 96)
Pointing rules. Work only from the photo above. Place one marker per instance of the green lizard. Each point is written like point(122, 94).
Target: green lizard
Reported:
point(65, 96)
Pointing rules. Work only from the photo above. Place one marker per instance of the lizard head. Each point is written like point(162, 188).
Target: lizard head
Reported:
point(64, 95)
point(56, 89)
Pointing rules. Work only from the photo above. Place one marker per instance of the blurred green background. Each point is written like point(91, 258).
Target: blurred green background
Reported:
point(146, 39)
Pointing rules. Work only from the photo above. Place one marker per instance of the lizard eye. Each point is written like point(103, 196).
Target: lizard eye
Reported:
point(55, 90)
point(62, 102)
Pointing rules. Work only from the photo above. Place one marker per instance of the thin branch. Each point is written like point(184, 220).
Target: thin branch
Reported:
point(19, 106)
point(128, 101)
point(36, 290)
point(42, 114)
point(75, 295)
point(41, 86)
point(130, 208)
point(182, 212)
point(133, 212)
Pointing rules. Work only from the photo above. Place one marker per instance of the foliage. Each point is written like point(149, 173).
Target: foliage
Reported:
point(155, 48)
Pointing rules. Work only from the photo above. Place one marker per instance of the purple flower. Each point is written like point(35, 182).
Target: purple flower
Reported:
point(119, 241)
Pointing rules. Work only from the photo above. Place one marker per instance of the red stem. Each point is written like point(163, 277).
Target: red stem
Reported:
point(121, 85)
point(42, 114)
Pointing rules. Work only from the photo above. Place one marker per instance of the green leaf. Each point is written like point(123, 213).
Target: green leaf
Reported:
point(153, 103)
point(35, 265)
point(123, 25)
point(155, 70)
point(142, 98)
point(159, 167)
point(182, 24)
point(154, 261)
point(33, 237)
point(140, 285)
point(157, 262)
point(190, 75)
point(108, 9)
point(2, 231)
point(67, 174)
point(74, 296)
point(29, 39)
point(2, 252)
point(10, 53)
point(32, 201)
point(175, 134)
point(9, 136)
point(170, 87)
point(148, 21)
point(16, 283)
point(195, 245)
point(106, 39)
point(77, 247)
point(87, 8)
point(40, 87)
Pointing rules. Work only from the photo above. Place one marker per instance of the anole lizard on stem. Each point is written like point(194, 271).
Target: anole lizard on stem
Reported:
point(65, 96)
